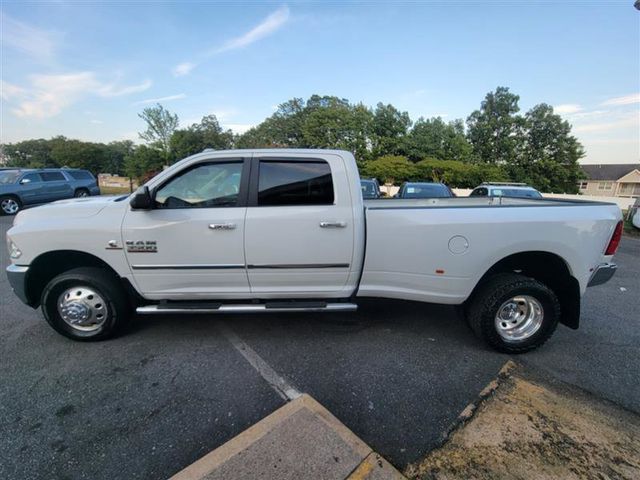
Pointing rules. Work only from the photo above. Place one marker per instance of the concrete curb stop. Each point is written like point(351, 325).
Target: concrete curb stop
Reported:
point(302, 439)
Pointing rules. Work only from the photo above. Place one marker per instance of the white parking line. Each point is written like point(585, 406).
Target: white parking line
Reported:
point(279, 384)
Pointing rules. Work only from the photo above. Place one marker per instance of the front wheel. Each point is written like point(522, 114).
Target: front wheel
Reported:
point(514, 313)
point(85, 304)
point(81, 193)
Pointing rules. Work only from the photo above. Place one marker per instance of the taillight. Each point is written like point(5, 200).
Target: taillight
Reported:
point(615, 240)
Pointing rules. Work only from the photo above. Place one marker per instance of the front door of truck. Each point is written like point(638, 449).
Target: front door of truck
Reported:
point(299, 228)
point(190, 244)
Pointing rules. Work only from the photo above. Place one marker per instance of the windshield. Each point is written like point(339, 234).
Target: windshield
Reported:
point(425, 190)
point(516, 192)
point(369, 189)
point(9, 176)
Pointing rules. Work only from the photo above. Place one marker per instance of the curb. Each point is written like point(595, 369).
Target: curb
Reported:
point(302, 439)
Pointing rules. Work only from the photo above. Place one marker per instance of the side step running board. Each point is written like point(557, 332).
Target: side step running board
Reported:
point(247, 308)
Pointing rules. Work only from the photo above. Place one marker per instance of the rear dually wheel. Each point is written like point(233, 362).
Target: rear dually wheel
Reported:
point(514, 313)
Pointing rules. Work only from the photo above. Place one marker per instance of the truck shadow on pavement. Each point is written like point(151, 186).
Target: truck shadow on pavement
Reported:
point(397, 373)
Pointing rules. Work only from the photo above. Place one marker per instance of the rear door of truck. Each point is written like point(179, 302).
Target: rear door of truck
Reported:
point(299, 228)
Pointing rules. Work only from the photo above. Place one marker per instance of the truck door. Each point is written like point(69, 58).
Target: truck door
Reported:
point(299, 228)
point(190, 244)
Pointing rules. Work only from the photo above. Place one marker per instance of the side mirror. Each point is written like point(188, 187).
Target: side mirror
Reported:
point(141, 200)
point(24, 181)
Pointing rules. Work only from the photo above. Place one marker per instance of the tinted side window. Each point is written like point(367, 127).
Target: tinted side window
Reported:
point(52, 176)
point(294, 183)
point(32, 177)
point(204, 186)
point(479, 192)
point(80, 174)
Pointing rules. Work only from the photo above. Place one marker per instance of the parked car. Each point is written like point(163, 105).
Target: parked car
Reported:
point(370, 189)
point(288, 231)
point(24, 187)
point(514, 190)
point(424, 190)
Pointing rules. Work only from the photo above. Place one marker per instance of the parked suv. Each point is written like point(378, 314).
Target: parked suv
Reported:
point(22, 187)
point(514, 190)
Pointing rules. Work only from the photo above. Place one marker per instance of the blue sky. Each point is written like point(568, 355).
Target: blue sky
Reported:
point(85, 69)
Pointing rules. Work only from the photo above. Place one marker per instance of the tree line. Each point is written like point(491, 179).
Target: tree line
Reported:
point(495, 143)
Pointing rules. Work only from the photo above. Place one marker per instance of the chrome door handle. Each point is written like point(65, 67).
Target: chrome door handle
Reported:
point(222, 226)
point(324, 224)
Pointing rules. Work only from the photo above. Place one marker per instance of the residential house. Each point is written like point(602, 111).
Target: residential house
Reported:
point(614, 180)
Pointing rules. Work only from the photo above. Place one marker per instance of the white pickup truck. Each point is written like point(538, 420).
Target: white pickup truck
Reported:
point(288, 231)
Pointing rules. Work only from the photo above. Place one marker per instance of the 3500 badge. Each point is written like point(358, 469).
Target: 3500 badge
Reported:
point(142, 246)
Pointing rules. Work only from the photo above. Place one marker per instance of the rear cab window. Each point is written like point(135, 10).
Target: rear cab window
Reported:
point(287, 183)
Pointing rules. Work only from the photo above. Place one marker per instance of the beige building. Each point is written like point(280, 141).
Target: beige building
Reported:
point(615, 180)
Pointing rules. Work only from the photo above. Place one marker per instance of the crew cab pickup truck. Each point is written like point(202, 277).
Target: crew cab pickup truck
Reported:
point(288, 231)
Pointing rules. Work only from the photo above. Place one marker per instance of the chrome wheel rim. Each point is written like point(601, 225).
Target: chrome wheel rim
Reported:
point(10, 206)
point(519, 318)
point(82, 308)
point(82, 193)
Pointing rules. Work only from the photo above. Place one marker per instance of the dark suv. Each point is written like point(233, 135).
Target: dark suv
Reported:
point(22, 187)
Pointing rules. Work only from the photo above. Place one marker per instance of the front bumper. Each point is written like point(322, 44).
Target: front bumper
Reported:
point(602, 274)
point(17, 276)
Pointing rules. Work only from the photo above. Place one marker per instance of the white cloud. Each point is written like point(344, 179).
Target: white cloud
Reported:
point(116, 91)
point(183, 69)
point(9, 91)
point(161, 99)
point(582, 115)
point(96, 122)
point(625, 100)
point(27, 39)
point(48, 95)
point(613, 124)
point(269, 25)
point(567, 108)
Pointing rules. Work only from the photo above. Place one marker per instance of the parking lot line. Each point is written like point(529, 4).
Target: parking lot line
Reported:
point(282, 387)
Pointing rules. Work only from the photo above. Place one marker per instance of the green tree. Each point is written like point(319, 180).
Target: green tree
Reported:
point(206, 134)
point(495, 131)
point(389, 127)
point(390, 169)
point(435, 138)
point(549, 160)
point(160, 125)
point(34, 153)
point(143, 163)
point(330, 122)
point(319, 122)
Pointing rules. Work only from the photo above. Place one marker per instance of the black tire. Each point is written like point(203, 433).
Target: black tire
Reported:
point(4, 205)
point(494, 293)
point(116, 308)
point(81, 192)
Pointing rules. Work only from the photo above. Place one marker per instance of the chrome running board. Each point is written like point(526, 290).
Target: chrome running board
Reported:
point(269, 307)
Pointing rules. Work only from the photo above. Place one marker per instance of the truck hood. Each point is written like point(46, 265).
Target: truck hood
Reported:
point(72, 208)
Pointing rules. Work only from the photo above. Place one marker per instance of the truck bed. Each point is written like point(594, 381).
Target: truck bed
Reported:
point(436, 250)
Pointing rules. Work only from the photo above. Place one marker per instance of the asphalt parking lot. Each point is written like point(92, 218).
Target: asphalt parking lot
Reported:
point(397, 373)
